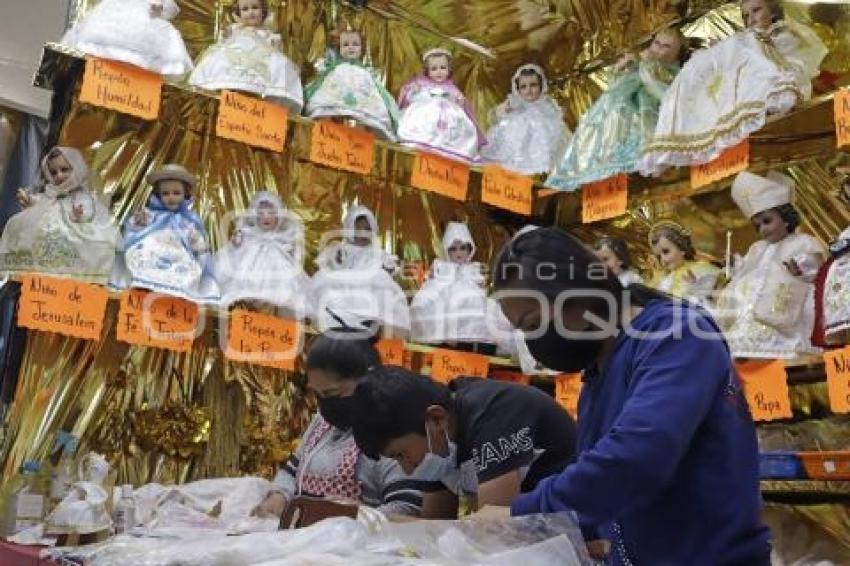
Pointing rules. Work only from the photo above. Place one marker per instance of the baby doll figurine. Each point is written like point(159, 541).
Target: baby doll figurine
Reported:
point(248, 58)
point(165, 245)
point(614, 253)
point(138, 32)
point(528, 128)
point(64, 230)
point(354, 278)
point(264, 259)
point(767, 310)
point(682, 274)
point(435, 114)
point(452, 306)
point(726, 92)
point(832, 286)
point(610, 136)
point(347, 88)
point(83, 510)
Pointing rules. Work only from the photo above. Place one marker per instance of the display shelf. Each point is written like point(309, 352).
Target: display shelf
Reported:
point(805, 492)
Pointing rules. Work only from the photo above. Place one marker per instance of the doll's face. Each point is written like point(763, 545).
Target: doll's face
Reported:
point(770, 225)
point(757, 14)
point(438, 68)
point(172, 193)
point(251, 12)
point(267, 218)
point(610, 259)
point(529, 87)
point(361, 225)
point(350, 45)
point(665, 47)
point(459, 252)
point(669, 255)
point(59, 168)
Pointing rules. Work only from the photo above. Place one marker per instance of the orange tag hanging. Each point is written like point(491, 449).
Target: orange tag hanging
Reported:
point(449, 364)
point(837, 364)
point(122, 87)
point(63, 306)
point(766, 389)
point(604, 199)
point(251, 121)
point(440, 175)
point(159, 321)
point(506, 189)
point(341, 147)
point(841, 110)
point(567, 391)
point(733, 160)
point(262, 340)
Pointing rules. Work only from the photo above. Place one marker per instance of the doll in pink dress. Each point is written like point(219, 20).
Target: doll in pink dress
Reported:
point(435, 115)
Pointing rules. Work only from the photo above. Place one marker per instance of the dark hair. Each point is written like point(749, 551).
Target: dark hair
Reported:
point(618, 247)
point(391, 402)
point(680, 240)
point(237, 11)
point(789, 216)
point(187, 188)
point(529, 73)
point(776, 11)
point(346, 353)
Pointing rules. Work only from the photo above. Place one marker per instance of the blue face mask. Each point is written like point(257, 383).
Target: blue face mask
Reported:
point(436, 468)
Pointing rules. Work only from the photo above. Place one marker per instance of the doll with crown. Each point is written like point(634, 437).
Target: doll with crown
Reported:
point(726, 92)
point(348, 88)
point(248, 58)
point(165, 245)
point(528, 128)
point(767, 310)
point(435, 115)
point(682, 274)
point(138, 32)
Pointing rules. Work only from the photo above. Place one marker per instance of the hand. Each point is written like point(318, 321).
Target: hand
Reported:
point(156, 8)
point(77, 212)
point(793, 267)
point(599, 549)
point(24, 198)
point(690, 277)
point(140, 217)
point(272, 506)
point(624, 61)
point(237, 238)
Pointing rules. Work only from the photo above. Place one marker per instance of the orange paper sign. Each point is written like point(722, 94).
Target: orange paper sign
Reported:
point(62, 306)
point(121, 87)
point(252, 121)
point(449, 364)
point(262, 340)
point(341, 147)
point(604, 199)
point(160, 321)
point(440, 175)
point(506, 189)
point(733, 160)
point(510, 376)
point(841, 109)
point(766, 389)
point(567, 391)
point(391, 351)
point(838, 379)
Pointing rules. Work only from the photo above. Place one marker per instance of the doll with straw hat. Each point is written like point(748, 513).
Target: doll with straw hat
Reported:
point(767, 310)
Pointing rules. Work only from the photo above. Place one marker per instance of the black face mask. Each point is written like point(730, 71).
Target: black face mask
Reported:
point(561, 354)
point(338, 411)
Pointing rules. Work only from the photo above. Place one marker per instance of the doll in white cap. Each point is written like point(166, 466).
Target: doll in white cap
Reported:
point(767, 310)
point(348, 88)
point(452, 306)
point(248, 58)
point(138, 32)
point(355, 278)
point(165, 247)
point(435, 115)
point(264, 260)
point(528, 128)
point(63, 229)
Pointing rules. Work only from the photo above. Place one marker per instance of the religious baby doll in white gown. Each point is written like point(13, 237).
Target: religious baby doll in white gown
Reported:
point(354, 278)
point(452, 306)
point(681, 274)
point(832, 286)
point(528, 128)
point(248, 58)
point(767, 310)
point(165, 247)
point(264, 259)
point(726, 92)
point(138, 32)
point(64, 230)
point(348, 88)
point(615, 254)
point(83, 510)
point(435, 115)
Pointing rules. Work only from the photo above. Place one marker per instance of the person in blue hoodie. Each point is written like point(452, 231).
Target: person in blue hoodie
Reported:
point(667, 465)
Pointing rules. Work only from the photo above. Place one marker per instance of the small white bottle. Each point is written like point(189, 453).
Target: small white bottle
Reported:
point(124, 511)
